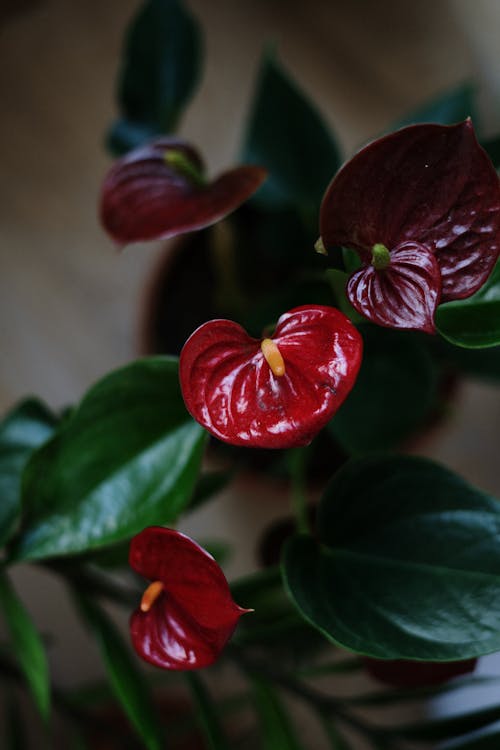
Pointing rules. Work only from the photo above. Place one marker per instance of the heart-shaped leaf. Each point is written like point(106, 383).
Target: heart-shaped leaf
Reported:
point(159, 190)
point(408, 563)
point(234, 389)
point(126, 458)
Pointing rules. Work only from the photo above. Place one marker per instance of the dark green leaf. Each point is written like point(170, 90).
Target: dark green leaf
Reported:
point(481, 739)
point(25, 428)
point(336, 740)
point(127, 458)
point(393, 395)
point(126, 680)
point(404, 695)
point(288, 137)
point(480, 364)
point(448, 726)
point(207, 714)
point(408, 565)
point(124, 135)
point(492, 148)
point(26, 645)
point(208, 485)
point(277, 729)
point(14, 726)
point(454, 105)
point(473, 322)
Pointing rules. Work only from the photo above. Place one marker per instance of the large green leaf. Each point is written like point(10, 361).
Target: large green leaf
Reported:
point(26, 645)
point(287, 135)
point(408, 564)
point(26, 427)
point(473, 322)
point(454, 105)
point(277, 729)
point(393, 395)
point(160, 70)
point(127, 458)
point(127, 683)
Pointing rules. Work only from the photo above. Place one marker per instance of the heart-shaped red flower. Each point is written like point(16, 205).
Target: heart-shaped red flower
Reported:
point(274, 393)
point(159, 190)
point(187, 614)
point(422, 209)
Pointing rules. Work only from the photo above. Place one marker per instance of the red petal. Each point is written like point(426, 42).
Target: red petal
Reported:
point(193, 618)
point(144, 198)
point(402, 673)
point(431, 184)
point(403, 295)
point(230, 389)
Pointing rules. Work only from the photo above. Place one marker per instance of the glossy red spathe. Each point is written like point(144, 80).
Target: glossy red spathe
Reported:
point(191, 615)
point(230, 388)
point(431, 187)
point(158, 191)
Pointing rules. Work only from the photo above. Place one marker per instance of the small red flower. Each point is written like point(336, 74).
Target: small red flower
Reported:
point(272, 393)
point(412, 674)
point(186, 614)
point(422, 209)
point(159, 190)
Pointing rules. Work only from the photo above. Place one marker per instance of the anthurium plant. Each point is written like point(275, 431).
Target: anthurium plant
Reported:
point(337, 305)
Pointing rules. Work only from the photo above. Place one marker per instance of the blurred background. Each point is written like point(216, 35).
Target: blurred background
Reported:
point(70, 305)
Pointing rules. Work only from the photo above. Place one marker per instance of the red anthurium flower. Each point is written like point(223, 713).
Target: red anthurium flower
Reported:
point(408, 674)
point(159, 190)
point(186, 615)
point(422, 209)
point(274, 393)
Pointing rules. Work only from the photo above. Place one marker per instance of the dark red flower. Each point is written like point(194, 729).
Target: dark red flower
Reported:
point(272, 393)
point(159, 190)
point(422, 209)
point(186, 614)
point(408, 674)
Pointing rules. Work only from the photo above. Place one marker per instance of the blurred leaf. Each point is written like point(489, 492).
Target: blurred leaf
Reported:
point(287, 136)
point(446, 727)
point(452, 106)
point(220, 551)
point(27, 646)
point(126, 459)
point(411, 552)
point(208, 485)
point(403, 695)
point(207, 713)
point(277, 729)
point(480, 364)
point(160, 69)
point(473, 322)
point(25, 428)
point(482, 739)
point(393, 394)
point(15, 735)
point(127, 682)
point(336, 740)
point(492, 148)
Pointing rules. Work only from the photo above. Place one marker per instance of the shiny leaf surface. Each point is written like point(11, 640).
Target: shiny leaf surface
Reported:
point(231, 389)
point(407, 564)
point(192, 614)
point(127, 457)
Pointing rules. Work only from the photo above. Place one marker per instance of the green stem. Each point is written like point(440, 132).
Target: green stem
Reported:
point(296, 459)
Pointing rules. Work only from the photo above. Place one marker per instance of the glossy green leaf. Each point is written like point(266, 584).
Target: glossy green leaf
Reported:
point(27, 645)
point(473, 322)
point(207, 714)
point(127, 458)
point(393, 395)
point(126, 681)
point(159, 72)
point(452, 106)
point(408, 563)
point(492, 148)
point(25, 428)
point(288, 137)
point(277, 729)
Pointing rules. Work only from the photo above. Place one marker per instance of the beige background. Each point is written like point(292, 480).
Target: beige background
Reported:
point(70, 305)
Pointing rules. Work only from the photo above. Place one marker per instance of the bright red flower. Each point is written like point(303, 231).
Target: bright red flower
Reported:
point(186, 614)
point(159, 190)
point(408, 674)
point(272, 393)
point(422, 209)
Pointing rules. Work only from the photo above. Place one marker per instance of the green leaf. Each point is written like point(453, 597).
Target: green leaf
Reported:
point(408, 565)
point(25, 428)
point(492, 148)
point(448, 726)
point(208, 485)
point(393, 395)
point(15, 735)
point(482, 739)
point(277, 729)
point(159, 72)
point(473, 322)
point(287, 135)
point(127, 458)
point(126, 681)
point(207, 714)
point(27, 646)
point(454, 105)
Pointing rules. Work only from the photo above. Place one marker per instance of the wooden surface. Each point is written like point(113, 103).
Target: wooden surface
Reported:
point(70, 304)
